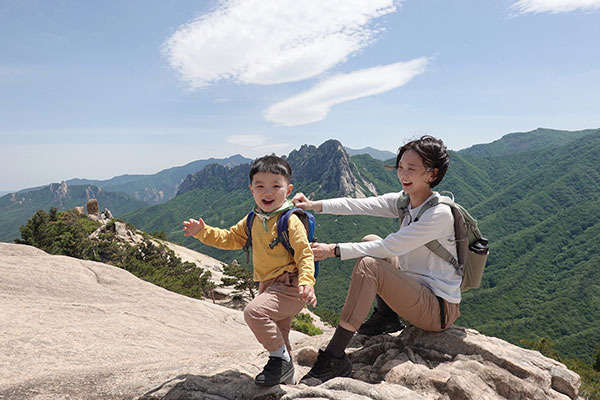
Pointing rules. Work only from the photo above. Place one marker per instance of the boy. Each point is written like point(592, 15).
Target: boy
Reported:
point(285, 282)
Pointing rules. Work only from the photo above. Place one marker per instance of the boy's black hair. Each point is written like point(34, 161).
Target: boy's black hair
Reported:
point(433, 152)
point(273, 164)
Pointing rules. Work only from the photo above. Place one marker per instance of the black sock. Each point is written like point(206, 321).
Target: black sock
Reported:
point(339, 341)
point(383, 308)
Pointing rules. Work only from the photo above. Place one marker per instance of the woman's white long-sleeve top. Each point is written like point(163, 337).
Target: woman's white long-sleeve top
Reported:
point(408, 243)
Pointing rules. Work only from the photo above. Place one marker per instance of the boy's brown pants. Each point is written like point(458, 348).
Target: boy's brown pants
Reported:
point(410, 299)
point(269, 315)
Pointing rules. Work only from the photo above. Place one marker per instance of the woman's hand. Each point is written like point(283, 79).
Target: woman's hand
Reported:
point(322, 250)
point(301, 201)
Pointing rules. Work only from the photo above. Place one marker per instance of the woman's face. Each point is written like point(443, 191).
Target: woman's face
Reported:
point(413, 175)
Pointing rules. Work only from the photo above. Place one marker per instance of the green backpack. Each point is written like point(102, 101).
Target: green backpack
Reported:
point(471, 247)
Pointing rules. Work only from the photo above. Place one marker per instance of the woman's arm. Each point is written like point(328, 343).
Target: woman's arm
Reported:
point(436, 223)
point(377, 206)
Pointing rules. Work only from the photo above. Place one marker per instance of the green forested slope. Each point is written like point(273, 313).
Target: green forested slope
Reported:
point(16, 208)
point(526, 141)
point(542, 277)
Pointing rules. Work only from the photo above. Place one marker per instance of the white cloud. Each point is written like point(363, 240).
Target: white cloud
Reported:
point(554, 6)
point(268, 42)
point(313, 105)
point(246, 140)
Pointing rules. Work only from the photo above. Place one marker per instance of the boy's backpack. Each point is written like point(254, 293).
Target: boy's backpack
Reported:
point(471, 247)
point(283, 236)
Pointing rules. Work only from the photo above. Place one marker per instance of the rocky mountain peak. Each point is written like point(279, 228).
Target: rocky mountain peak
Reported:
point(60, 190)
point(216, 175)
point(329, 166)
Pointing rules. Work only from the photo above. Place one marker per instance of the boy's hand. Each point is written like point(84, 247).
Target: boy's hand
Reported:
point(191, 227)
point(307, 293)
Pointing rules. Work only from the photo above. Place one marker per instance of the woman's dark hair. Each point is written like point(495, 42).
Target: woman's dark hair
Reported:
point(273, 164)
point(433, 152)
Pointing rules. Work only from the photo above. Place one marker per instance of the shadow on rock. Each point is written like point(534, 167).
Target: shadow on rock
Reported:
point(227, 385)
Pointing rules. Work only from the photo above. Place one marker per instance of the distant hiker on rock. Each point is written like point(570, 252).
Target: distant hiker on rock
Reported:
point(285, 281)
point(406, 278)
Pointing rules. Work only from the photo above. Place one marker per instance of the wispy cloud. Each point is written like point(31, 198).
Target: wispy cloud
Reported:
point(269, 42)
point(313, 105)
point(554, 6)
point(247, 140)
point(257, 145)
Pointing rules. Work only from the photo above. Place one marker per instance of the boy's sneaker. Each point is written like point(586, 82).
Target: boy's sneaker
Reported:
point(275, 372)
point(327, 367)
point(379, 323)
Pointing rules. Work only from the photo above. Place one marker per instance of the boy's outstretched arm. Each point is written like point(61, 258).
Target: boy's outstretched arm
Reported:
point(191, 227)
point(307, 293)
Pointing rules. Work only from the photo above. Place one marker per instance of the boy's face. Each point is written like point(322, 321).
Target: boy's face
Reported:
point(413, 175)
point(270, 190)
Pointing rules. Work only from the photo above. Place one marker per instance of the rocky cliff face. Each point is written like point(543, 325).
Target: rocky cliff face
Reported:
point(328, 166)
point(85, 330)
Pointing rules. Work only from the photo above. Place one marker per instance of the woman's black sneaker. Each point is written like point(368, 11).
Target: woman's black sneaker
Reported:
point(275, 372)
point(379, 323)
point(327, 367)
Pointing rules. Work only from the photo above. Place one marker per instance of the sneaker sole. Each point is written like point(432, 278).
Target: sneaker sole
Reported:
point(314, 381)
point(387, 330)
point(347, 371)
point(286, 379)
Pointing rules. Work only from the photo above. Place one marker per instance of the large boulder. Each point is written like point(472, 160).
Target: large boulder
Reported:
point(85, 330)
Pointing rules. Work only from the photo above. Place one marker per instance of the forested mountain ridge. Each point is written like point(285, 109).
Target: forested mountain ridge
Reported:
point(16, 208)
point(327, 166)
point(542, 277)
point(539, 208)
point(525, 141)
point(160, 187)
point(120, 194)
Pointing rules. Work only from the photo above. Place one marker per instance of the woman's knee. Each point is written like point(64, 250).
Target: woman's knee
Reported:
point(365, 266)
point(370, 238)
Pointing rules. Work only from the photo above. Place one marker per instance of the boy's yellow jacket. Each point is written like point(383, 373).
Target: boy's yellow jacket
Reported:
point(268, 263)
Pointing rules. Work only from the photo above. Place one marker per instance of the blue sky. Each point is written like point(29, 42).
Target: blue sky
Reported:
point(94, 89)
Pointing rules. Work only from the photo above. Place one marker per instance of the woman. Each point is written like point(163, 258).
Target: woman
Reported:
point(414, 282)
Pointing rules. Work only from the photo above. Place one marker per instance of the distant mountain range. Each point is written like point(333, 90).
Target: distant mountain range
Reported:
point(16, 208)
point(120, 194)
point(382, 155)
point(160, 187)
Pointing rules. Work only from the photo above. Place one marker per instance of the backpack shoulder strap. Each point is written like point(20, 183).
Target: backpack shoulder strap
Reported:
point(462, 224)
point(248, 244)
point(403, 204)
point(435, 246)
point(283, 236)
point(283, 226)
point(429, 204)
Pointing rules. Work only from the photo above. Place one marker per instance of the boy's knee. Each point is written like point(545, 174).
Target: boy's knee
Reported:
point(250, 313)
point(370, 238)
